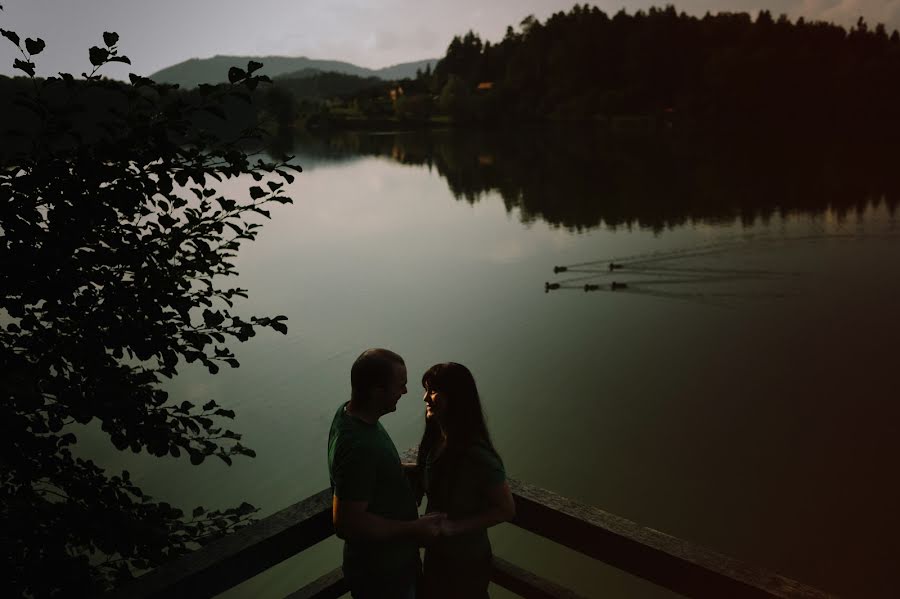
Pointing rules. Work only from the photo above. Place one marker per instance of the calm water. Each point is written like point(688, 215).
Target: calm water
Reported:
point(741, 394)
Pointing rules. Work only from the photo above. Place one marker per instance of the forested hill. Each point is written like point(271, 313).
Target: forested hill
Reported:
point(728, 68)
point(195, 71)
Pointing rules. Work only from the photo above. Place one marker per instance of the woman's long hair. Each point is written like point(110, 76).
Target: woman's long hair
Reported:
point(462, 417)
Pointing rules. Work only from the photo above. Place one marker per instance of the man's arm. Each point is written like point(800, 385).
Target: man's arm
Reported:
point(352, 520)
point(502, 508)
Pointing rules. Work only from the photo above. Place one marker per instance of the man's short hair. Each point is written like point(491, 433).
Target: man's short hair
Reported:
point(373, 368)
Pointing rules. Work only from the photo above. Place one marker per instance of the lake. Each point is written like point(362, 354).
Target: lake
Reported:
point(739, 391)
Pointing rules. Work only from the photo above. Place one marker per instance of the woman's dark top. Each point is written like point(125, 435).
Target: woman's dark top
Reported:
point(456, 483)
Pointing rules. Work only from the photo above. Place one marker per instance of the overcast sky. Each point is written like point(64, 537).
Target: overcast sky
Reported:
point(369, 33)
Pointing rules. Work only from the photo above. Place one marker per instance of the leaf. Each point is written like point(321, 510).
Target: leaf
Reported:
point(286, 176)
point(166, 221)
point(198, 511)
point(256, 192)
point(110, 38)
point(34, 46)
point(235, 74)
point(197, 458)
point(253, 66)
point(10, 35)
point(28, 67)
point(279, 327)
point(98, 55)
point(138, 81)
point(124, 59)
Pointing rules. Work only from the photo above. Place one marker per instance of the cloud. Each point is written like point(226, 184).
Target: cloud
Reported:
point(371, 33)
point(846, 12)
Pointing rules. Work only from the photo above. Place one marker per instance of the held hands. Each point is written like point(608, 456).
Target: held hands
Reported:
point(435, 524)
point(429, 526)
point(448, 528)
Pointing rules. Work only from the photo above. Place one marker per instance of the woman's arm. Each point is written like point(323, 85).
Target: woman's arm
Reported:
point(501, 508)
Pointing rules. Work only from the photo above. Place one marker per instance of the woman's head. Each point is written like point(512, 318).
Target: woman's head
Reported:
point(451, 398)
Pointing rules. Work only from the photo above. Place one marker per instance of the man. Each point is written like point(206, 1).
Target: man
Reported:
point(373, 506)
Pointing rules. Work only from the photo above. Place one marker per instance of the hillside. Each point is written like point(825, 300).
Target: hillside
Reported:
point(312, 84)
point(195, 71)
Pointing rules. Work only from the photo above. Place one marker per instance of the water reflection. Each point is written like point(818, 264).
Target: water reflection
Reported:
point(582, 179)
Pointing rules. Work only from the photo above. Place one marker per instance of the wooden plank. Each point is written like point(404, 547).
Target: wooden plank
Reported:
point(527, 584)
point(329, 586)
point(655, 556)
point(237, 557)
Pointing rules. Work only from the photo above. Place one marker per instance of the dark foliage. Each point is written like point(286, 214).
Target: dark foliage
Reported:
point(114, 242)
point(725, 69)
point(317, 85)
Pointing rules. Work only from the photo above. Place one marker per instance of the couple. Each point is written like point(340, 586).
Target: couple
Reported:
point(374, 503)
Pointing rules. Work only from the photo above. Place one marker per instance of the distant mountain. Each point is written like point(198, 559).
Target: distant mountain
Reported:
point(195, 71)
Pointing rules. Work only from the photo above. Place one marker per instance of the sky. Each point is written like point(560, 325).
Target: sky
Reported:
point(371, 33)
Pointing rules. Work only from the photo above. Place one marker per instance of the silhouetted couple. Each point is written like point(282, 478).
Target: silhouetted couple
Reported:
point(375, 496)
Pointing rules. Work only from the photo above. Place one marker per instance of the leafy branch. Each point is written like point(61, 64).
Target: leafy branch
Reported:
point(115, 238)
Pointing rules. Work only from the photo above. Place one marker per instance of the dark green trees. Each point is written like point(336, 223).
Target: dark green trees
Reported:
point(114, 244)
point(726, 70)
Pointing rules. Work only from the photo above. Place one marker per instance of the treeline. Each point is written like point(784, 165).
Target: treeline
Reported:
point(726, 68)
point(658, 68)
point(285, 103)
point(315, 85)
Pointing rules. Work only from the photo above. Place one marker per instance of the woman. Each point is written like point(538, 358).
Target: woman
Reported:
point(462, 476)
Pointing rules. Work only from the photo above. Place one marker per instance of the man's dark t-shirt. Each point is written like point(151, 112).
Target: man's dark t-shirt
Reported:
point(364, 465)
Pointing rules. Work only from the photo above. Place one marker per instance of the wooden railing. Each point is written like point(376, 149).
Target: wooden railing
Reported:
point(670, 562)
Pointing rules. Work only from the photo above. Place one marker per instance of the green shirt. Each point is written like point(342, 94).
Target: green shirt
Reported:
point(457, 485)
point(364, 465)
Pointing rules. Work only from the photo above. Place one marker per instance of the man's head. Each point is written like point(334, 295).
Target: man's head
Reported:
point(378, 380)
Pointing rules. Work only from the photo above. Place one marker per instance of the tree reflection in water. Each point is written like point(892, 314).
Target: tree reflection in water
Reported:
point(582, 178)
